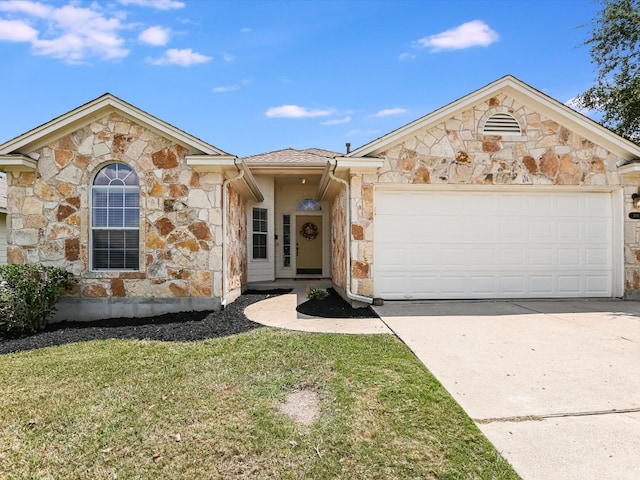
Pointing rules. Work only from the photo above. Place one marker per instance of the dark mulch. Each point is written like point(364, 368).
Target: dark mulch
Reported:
point(173, 327)
point(334, 307)
point(177, 327)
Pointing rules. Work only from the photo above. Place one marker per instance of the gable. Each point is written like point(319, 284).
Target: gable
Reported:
point(95, 110)
point(506, 95)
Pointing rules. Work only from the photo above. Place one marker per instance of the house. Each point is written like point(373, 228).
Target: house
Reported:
point(3, 220)
point(504, 193)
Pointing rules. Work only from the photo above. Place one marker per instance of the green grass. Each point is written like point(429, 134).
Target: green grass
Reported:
point(113, 409)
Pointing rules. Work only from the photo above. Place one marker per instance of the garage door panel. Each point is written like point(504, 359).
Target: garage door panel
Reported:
point(493, 245)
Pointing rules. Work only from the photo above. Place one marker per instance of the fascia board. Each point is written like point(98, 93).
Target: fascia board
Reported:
point(250, 182)
point(96, 109)
point(210, 162)
point(360, 163)
point(17, 163)
point(631, 169)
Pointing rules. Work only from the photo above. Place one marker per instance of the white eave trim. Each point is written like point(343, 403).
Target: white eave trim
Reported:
point(360, 163)
point(229, 165)
point(631, 168)
point(210, 162)
point(17, 163)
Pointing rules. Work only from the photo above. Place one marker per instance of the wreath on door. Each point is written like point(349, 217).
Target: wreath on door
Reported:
point(309, 231)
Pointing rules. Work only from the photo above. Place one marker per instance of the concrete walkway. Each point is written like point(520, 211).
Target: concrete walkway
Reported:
point(281, 312)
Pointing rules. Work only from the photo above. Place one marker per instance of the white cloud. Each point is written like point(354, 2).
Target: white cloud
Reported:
point(337, 121)
point(390, 111)
point(35, 9)
point(231, 88)
point(156, 36)
point(574, 104)
point(227, 57)
point(183, 57)
point(295, 111)
point(245, 30)
point(17, 31)
point(157, 4)
point(70, 33)
point(406, 56)
point(470, 34)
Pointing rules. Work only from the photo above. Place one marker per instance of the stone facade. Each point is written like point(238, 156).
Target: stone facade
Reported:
point(338, 243)
point(236, 239)
point(456, 152)
point(180, 213)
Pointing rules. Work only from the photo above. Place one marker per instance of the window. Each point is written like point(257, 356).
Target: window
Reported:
point(286, 240)
point(308, 204)
point(259, 233)
point(115, 219)
point(501, 124)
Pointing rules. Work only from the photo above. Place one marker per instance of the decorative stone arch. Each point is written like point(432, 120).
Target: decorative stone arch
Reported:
point(504, 117)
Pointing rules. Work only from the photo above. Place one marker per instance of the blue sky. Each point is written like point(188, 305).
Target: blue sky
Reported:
point(251, 76)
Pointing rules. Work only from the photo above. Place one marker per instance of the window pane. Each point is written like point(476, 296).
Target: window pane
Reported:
point(131, 198)
point(259, 245)
point(100, 239)
point(99, 217)
point(131, 217)
point(116, 198)
point(131, 240)
point(99, 198)
point(116, 218)
point(131, 260)
point(116, 258)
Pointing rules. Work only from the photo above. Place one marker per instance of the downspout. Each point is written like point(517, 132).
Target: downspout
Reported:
point(224, 231)
point(350, 294)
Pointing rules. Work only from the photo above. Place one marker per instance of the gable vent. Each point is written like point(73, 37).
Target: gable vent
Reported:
point(501, 124)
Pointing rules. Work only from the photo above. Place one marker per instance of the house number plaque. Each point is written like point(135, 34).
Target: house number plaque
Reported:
point(634, 215)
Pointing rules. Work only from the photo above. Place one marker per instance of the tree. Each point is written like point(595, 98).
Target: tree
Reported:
point(614, 47)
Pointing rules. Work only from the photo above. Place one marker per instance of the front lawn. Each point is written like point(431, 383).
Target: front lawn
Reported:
point(211, 409)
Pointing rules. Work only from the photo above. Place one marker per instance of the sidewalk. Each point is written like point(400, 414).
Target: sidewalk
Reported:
point(281, 312)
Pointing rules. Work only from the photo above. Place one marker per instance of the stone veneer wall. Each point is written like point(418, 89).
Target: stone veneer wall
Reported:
point(338, 241)
point(180, 222)
point(456, 152)
point(236, 242)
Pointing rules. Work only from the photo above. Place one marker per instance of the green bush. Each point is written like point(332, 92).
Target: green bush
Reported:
point(316, 293)
point(28, 295)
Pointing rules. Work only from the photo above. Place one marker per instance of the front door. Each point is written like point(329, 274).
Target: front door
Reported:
point(309, 244)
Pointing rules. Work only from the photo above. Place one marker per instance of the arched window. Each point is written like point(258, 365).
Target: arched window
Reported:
point(115, 219)
point(308, 204)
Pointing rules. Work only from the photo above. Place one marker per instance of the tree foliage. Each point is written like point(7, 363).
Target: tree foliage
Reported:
point(614, 46)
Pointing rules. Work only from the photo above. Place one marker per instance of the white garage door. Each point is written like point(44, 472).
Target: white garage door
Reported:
point(469, 244)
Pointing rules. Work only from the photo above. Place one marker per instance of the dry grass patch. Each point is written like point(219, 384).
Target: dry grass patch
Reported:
point(213, 409)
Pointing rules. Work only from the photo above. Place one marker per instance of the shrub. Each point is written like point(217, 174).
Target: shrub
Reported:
point(316, 293)
point(28, 295)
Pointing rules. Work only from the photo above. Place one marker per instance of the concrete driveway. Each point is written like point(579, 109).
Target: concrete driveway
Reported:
point(554, 385)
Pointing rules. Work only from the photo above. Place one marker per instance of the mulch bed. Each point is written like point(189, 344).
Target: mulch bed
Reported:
point(171, 327)
point(177, 327)
point(334, 306)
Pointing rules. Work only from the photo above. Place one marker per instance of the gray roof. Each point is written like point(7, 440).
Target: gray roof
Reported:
point(308, 156)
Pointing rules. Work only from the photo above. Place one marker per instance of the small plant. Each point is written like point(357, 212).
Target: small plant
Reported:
point(28, 295)
point(316, 293)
